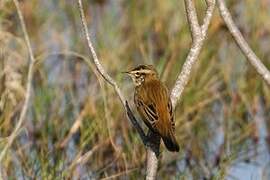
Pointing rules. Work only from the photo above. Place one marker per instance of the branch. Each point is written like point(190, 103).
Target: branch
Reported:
point(198, 37)
point(192, 20)
point(150, 140)
point(28, 86)
point(152, 155)
point(99, 67)
point(208, 16)
point(239, 39)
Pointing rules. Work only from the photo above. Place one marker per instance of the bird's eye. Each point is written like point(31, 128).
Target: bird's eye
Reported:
point(137, 74)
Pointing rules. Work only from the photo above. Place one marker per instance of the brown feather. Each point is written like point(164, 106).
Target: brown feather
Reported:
point(154, 105)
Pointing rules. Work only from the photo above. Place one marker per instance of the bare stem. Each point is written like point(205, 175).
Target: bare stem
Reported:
point(208, 16)
point(152, 165)
point(28, 86)
point(98, 65)
point(193, 20)
point(241, 42)
point(198, 36)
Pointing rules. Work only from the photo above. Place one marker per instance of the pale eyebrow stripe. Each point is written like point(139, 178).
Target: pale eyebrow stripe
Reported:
point(146, 71)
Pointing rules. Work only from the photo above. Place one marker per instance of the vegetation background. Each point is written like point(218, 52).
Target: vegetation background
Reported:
point(75, 125)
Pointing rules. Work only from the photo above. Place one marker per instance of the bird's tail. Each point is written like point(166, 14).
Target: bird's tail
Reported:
point(170, 142)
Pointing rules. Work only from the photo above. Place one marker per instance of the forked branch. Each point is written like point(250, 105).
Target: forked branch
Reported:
point(198, 37)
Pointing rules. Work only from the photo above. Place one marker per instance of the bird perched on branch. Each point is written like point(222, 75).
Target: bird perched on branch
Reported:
point(153, 103)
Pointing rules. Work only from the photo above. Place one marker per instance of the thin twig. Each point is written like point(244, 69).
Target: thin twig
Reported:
point(241, 42)
point(99, 67)
point(28, 86)
point(198, 37)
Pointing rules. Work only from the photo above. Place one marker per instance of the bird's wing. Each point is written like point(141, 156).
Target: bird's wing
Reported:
point(171, 114)
point(155, 107)
point(148, 112)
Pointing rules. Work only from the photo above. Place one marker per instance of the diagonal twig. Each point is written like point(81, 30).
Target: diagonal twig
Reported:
point(241, 42)
point(99, 67)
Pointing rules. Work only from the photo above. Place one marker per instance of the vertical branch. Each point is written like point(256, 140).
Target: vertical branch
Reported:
point(243, 45)
point(192, 18)
point(152, 165)
point(28, 86)
point(152, 155)
point(198, 36)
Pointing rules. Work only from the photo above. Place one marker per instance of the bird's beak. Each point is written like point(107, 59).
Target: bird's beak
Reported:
point(126, 72)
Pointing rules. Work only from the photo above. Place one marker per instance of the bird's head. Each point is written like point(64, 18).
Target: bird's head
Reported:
point(142, 73)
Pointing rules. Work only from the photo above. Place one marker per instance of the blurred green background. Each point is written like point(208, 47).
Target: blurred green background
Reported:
point(76, 126)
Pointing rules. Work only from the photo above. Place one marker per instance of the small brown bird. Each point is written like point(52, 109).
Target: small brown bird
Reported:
point(153, 103)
